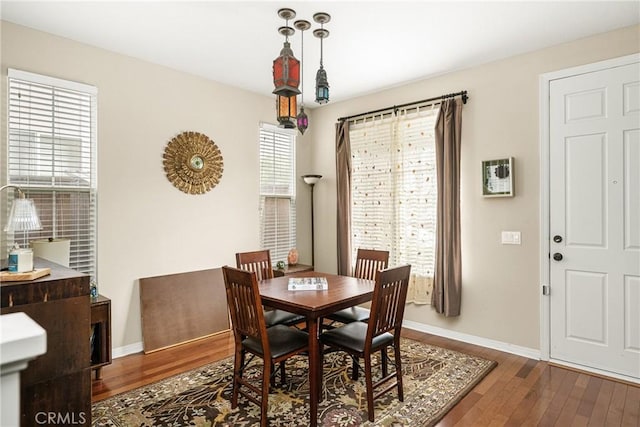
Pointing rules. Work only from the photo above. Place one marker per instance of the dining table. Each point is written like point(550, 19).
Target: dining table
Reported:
point(341, 292)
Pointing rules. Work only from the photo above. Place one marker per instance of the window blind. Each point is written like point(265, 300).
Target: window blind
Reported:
point(277, 191)
point(52, 157)
point(394, 191)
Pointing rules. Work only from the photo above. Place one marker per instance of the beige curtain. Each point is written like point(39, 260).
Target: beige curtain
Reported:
point(448, 267)
point(343, 182)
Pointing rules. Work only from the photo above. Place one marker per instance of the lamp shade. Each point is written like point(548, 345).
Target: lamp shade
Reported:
point(23, 216)
point(311, 179)
point(302, 120)
point(287, 107)
point(322, 86)
point(286, 73)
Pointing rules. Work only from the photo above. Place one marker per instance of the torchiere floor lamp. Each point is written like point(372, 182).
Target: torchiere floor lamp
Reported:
point(312, 180)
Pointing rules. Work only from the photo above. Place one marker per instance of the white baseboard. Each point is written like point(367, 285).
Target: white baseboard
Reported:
point(530, 353)
point(126, 350)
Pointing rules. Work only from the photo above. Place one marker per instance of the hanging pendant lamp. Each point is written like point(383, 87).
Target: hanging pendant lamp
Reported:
point(286, 68)
point(302, 120)
point(322, 84)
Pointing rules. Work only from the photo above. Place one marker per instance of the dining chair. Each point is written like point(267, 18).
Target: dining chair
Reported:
point(360, 340)
point(259, 262)
point(368, 262)
point(251, 335)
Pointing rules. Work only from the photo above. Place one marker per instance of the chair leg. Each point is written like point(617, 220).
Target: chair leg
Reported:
point(398, 363)
point(238, 362)
point(383, 362)
point(354, 368)
point(283, 375)
point(369, 383)
point(264, 403)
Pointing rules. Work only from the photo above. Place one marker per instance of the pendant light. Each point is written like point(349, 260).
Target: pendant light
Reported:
point(322, 84)
point(287, 108)
point(302, 120)
point(286, 68)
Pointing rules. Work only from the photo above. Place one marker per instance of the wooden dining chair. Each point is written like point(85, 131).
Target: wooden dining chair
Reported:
point(368, 263)
point(251, 335)
point(361, 340)
point(259, 262)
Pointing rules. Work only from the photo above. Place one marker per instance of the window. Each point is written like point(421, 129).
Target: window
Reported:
point(277, 191)
point(52, 149)
point(393, 189)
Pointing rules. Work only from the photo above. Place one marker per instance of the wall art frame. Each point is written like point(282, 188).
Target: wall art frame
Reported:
point(497, 178)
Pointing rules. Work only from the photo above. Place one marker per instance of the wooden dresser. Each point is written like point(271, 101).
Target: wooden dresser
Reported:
point(57, 385)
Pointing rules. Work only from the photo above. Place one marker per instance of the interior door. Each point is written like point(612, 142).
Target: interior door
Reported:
point(594, 220)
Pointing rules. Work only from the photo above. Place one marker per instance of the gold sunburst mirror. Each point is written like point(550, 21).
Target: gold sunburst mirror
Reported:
point(193, 163)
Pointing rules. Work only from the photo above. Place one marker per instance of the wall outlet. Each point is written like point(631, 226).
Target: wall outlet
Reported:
point(511, 238)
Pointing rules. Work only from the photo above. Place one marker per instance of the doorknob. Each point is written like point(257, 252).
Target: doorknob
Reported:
point(557, 238)
point(557, 256)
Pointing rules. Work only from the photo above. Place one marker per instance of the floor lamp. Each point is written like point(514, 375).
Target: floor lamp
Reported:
point(312, 180)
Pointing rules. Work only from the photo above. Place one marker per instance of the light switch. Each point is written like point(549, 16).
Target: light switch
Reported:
point(511, 238)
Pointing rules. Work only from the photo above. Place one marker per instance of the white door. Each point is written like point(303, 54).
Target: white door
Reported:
point(595, 220)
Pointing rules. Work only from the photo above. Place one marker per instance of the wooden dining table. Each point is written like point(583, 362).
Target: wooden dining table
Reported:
point(342, 292)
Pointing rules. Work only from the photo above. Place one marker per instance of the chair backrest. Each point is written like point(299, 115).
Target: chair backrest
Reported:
point(243, 299)
point(257, 261)
point(369, 261)
point(389, 298)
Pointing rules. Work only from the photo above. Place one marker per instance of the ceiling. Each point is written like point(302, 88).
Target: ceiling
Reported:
point(372, 44)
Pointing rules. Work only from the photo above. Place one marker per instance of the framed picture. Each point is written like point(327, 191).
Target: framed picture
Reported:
point(497, 178)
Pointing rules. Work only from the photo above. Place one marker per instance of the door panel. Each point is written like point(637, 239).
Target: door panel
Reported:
point(594, 181)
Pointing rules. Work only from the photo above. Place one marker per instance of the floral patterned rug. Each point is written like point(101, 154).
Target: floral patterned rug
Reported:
point(435, 379)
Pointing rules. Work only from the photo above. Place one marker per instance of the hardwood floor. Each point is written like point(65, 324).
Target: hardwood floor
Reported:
point(518, 392)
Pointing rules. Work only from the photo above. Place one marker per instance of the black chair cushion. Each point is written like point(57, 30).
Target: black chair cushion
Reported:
point(282, 340)
point(281, 317)
point(351, 314)
point(353, 336)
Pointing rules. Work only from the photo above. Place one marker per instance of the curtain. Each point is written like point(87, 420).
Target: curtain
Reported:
point(448, 268)
point(343, 182)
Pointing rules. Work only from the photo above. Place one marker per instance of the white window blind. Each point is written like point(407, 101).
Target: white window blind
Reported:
point(394, 189)
point(52, 157)
point(277, 191)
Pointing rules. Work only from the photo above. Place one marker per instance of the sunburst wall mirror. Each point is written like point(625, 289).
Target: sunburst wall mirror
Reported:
point(193, 162)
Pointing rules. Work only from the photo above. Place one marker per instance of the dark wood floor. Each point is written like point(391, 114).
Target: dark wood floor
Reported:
point(518, 392)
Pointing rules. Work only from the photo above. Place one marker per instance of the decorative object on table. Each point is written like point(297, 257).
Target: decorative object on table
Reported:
point(292, 257)
point(93, 289)
point(193, 163)
point(55, 250)
point(20, 260)
point(288, 72)
point(22, 217)
point(435, 380)
point(280, 265)
point(308, 284)
point(312, 180)
point(497, 178)
point(36, 273)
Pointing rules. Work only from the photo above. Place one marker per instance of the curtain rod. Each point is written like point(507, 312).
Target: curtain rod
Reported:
point(463, 94)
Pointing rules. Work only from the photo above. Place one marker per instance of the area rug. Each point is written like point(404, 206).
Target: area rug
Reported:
point(435, 379)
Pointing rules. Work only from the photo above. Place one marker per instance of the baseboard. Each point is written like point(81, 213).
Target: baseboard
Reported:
point(126, 350)
point(530, 353)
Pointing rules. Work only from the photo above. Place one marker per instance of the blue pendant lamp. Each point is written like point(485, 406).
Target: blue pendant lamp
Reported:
point(322, 84)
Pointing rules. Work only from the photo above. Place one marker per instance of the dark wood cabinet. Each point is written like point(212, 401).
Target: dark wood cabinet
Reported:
point(100, 334)
point(58, 383)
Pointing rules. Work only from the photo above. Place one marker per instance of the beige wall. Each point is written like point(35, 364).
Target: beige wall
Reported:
point(501, 294)
point(146, 227)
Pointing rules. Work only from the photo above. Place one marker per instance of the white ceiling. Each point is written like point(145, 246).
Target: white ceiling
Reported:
point(372, 44)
